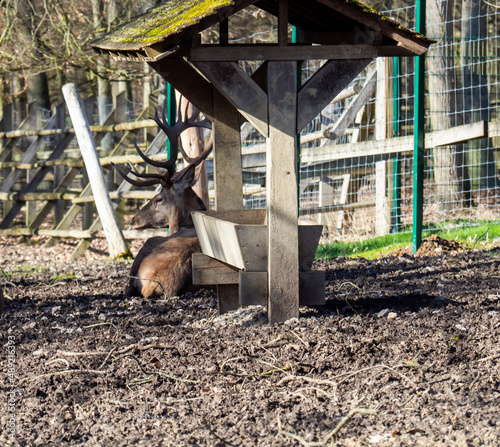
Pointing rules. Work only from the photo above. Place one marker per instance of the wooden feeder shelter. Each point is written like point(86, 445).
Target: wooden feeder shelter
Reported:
point(259, 256)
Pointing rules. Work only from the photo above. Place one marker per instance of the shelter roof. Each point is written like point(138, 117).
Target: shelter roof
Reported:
point(166, 28)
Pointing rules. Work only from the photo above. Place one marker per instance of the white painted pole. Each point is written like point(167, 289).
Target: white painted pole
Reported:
point(116, 242)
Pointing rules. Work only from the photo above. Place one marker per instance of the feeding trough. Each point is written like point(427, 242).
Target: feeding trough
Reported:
point(236, 243)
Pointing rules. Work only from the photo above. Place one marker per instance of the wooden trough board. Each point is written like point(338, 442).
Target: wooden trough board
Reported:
point(234, 245)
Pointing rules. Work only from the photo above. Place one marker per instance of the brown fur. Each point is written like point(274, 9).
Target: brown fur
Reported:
point(163, 265)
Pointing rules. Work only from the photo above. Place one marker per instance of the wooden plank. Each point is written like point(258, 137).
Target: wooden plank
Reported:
point(456, 135)
point(210, 271)
point(382, 98)
point(309, 235)
point(253, 288)
point(349, 115)
point(344, 198)
point(270, 52)
point(382, 219)
point(326, 196)
point(312, 288)
point(188, 82)
point(252, 241)
point(30, 175)
point(282, 223)
point(116, 242)
point(62, 186)
point(28, 156)
point(240, 90)
point(228, 178)
point(35, 182)
point(282, 23)
point(59, 174)
point(328, 82)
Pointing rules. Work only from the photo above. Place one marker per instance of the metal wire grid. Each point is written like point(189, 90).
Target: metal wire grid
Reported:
point(461, 180)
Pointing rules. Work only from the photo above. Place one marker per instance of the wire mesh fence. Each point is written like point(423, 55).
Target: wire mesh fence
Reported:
point(356, 157)
point(353, 184)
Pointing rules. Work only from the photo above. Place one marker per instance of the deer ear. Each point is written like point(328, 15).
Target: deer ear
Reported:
point(187, 178)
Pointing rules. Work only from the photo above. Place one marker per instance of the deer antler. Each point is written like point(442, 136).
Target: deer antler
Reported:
point(173, 133)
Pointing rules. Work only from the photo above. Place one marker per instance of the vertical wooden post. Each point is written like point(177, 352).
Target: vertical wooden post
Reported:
point(227, 177)
point(89, 208)
point(116, 241)
point(382, 221)
point(30, 174)
point(282, 207)
point(283, 23)
point(59, 171)
point(6, 151)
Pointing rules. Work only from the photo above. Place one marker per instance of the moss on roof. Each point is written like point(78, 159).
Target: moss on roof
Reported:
point(162, 21)
point(166, 22)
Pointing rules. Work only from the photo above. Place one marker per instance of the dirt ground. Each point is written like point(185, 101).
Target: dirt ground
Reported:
point(406, 352)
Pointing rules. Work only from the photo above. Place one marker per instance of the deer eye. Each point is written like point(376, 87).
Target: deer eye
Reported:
point(158, 201)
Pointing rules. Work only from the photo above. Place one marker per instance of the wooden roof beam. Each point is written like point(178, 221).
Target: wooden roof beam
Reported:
point(188, 82)
point(240, 90)
point(229, 53)
point(325, 85)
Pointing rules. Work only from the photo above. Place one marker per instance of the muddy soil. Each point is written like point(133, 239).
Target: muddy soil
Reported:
point(406, 352)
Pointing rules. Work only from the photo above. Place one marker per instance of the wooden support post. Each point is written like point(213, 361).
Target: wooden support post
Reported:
point(30, 174)
point(89, 208)
point(282, 222)
point(59, 171)
point(326, 198)
point(227, 178)
point(114, 236)
point(6, 151)
point(383, 221)
point(283, 22)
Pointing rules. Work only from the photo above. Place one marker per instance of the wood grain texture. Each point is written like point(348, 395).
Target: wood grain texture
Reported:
point(282, 223)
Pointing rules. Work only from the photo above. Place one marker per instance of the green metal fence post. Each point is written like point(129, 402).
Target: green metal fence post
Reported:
point(171, 111)
point(396, 162)
point(418, 134)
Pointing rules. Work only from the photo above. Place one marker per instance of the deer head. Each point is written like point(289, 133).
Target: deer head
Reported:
point(172, 206)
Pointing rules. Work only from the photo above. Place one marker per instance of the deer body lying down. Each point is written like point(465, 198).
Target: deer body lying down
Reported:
point(163, 265)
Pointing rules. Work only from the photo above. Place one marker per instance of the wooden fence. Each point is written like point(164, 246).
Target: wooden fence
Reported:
point(44, 188)
point(42, 172)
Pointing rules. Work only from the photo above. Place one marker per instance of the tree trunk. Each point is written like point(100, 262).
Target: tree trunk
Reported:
point(192, 142)
point(441, 100)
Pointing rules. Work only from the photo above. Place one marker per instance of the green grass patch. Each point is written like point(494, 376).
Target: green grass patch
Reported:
point(69, 276)
point(479, 236)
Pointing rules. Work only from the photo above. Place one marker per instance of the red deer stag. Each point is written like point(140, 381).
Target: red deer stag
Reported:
point(163, 265)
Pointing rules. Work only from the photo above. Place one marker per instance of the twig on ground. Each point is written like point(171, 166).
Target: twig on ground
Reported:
point(334, 432)
point(485, 359)
point(253, 375)
point(307, 379)
point(300, 339)
point(58, 360)
point(312, 388)
point(106, 359)
point(100, 324)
